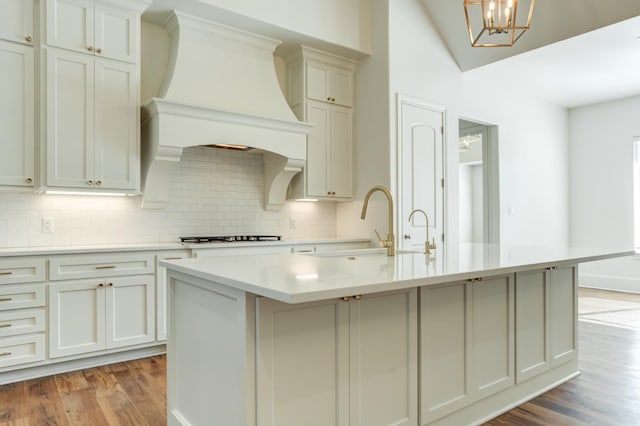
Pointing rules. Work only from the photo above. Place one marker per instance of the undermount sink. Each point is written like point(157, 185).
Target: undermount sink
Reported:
point(353, 252)
point(359, 252)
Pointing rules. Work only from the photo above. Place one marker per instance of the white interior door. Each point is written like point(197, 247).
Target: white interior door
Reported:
point(420, 172)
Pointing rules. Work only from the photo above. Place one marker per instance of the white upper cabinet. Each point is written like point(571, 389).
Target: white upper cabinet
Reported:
point(328, 83)
point(16, 114)
point(91, 123)
point(320, 92)
point(16, 21)
point(94, 27)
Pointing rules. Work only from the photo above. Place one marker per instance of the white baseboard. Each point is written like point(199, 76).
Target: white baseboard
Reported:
point(78, 364)
point(609, 282)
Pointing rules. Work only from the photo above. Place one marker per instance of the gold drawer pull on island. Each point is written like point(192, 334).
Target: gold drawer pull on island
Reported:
point(6, 299)
point(106, 267)
point(5, 353)
point(5, 325)
point(6, 273)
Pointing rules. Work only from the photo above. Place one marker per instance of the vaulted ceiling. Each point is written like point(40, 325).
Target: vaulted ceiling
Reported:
point(577, 52)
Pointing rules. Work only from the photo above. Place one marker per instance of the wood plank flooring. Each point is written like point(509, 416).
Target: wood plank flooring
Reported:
point(134, 392)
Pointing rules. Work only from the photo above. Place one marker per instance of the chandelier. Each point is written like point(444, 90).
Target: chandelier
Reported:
point(503, 21)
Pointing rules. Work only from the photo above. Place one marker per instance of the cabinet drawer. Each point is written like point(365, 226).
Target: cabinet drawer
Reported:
point(21, 321)
point(96, 265)
point(21, 350)
point(22, 296)
point(21, 270)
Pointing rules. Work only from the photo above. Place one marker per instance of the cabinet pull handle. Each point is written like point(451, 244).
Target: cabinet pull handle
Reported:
point(100, 285)
point(90, 48)
point(172, 258)
point(329, 99)
point(305, 251)
point(333, 99)
point(5, 325)
point(6, 299)
point(106, 267)
point(357, 296)
point(28, 180)
point(110, 284)
point(5, 353)
point(98, 182)
point(89, 182)
point(6, 273)
point(346, 298)
point(475, 280)
point(28, 38)
point(99, 50)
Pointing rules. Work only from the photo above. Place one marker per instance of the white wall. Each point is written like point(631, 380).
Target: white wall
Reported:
point(533, 135)
point(601, 153)
point(214, 192)
point(344, 22)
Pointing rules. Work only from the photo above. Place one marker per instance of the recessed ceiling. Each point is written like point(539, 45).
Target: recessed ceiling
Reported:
point(577, 52)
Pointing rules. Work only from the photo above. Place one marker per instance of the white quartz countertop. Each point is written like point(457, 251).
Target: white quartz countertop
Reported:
point(104, 248)
point(296, 278)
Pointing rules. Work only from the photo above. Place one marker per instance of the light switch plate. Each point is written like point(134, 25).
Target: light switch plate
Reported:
point(47, 225)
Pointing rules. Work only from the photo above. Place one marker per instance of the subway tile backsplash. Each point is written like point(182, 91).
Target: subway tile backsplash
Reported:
point(214, 192)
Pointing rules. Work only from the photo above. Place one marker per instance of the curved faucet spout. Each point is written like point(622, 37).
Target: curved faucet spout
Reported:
point(389, 243)
point(427, 246)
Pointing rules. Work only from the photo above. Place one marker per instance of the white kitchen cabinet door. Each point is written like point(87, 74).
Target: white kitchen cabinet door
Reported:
point(472, 322)
point(130, 311)
point(328, 83)
point(302, 363)
point(97, 28)
point(116, 32)
point(17, 109)
point(329, 167)
point(532, 324)
point(16, 21)
point(383, 355)
point(444, 325)
point(492, 335)
point(115, 126)
point(69, 119)
point(91, 123)
point(317, 166)
point(76, 317)
point(563, 315)
point(341, 152)
point(69, 25)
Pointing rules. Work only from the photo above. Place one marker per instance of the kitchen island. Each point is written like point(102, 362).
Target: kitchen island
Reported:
point(361, 338)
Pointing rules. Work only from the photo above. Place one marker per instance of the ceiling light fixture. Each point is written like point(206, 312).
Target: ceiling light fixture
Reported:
point(464, 142)
point(503, 21)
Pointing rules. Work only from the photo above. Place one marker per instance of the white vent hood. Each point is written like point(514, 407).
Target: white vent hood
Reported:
point(220, 87)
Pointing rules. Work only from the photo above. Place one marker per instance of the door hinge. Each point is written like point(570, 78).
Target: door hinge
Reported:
point(443, 238)
point(442, 130)
point(442, 183)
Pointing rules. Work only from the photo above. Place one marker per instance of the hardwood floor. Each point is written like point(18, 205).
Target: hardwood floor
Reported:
point(607, 392)
point(134, 393)
point(128, 393)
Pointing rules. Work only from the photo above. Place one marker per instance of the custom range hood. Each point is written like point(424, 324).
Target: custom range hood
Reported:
point(220, 87)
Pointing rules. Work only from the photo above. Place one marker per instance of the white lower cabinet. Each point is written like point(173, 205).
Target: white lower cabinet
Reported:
point(466, 344)
point(338, 362)
point(93, 315)
point(546, 315)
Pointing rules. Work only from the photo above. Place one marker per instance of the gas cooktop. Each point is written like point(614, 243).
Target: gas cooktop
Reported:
point(230, 238)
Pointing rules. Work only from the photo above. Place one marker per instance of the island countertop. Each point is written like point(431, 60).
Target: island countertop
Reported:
point(297, 278)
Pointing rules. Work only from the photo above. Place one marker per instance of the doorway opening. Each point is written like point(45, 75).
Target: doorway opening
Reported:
point(478, 179)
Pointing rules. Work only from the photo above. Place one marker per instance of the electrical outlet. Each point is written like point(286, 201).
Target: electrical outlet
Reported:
point(47, 225)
